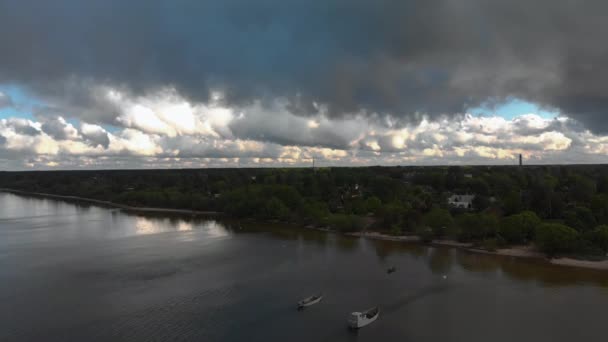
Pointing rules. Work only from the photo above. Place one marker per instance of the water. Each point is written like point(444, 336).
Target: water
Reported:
point(80, 273)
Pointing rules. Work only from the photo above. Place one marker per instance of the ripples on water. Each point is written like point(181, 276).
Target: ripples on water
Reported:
point(82, 273)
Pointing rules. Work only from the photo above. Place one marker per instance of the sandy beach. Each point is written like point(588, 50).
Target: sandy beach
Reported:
point(524, 251)
point(380, 236)
point(597, 265)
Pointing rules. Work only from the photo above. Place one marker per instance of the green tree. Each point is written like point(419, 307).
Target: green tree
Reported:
point(512, 203)
point(553, 238)
point(439, 220)
point(598, 238)
point(392, 213)
point(501, 183)
point(314, 211)
point(479, 186)
point(519, 228)
point(396, 230)
point(602, 185)
point(580, 218)
point(481, 203)
point(540, 195)
point(599, 207)
point(477, 226)
point(557, 205)
point(275, 208)
point(454, 177)
point(373, 204)
point(581, 189)
point(358, 206)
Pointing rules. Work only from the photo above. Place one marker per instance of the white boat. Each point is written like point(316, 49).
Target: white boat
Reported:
point(360, 319)
point(312, 300)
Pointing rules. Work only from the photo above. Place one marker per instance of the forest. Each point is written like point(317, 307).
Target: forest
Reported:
point(563, 210)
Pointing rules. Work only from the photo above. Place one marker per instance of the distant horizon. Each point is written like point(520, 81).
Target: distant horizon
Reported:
point(305, 167)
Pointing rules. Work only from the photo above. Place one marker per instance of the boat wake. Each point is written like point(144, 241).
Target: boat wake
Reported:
point(391, 307)
point(397, 304)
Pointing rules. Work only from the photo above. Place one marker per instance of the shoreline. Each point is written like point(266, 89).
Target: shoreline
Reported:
point(109, 204)
point(515, 251)
point(522, 252)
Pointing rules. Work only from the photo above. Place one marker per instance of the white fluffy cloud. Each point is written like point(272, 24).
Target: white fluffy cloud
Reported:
point(167, 113)
point(165, 130)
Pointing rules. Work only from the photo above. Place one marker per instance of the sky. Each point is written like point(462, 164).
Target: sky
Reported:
point(106, 84)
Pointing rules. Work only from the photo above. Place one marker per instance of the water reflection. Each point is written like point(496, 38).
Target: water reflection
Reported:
point(213, 228)
point(224, 276)
point(51, 220)
point(551, 275)
point(347, 244)
point(147, 226)
point(479, 263)
point(384, 249)
point(441, 260)
point(153, 225)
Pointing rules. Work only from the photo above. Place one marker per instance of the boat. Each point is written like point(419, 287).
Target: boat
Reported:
point(391, 270)
point(360, 319)
point(312, 300)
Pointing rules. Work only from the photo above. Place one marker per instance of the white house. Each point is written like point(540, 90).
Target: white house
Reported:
point(461, 201)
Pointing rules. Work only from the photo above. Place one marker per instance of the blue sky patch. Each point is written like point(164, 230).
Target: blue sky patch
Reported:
point(23, 104)
point(512, 109)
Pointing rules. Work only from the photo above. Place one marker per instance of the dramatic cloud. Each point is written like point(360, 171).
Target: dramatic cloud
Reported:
point(276, 124)
point(22, 126)
point(152, 83)
point(249, 138)
point(399, 58)
point(95, 135)
point(59, 129)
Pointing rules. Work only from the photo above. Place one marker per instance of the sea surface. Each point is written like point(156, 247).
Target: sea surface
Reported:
point(70, 272)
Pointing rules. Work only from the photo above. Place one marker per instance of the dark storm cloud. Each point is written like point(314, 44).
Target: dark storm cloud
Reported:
point(22, 126)
point(276, 125)
point(2, 140)
point(377, 56)
point(96, 137)
point(56, 128)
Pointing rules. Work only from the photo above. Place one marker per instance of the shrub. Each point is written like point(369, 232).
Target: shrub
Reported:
point(518, 228)
point(275, 208)
point(553, 238)
point(477, 226)
point(439, 220)
point(597, 239)
point(373, 204)
point(580, 218)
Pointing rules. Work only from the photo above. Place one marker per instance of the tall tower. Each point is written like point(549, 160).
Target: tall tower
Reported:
point(520, 160)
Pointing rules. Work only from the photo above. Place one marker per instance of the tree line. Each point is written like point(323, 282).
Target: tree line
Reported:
point(561, 209)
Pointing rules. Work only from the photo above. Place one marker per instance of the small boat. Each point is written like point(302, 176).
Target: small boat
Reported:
point(360, 319)
point(391, 270)
point(312, 300)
